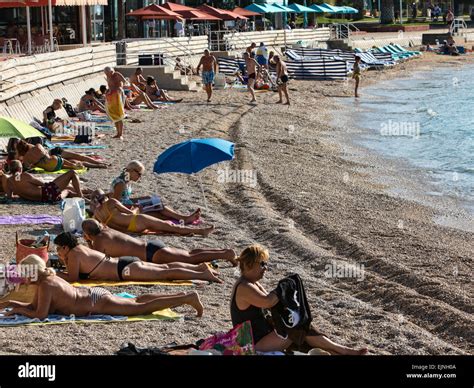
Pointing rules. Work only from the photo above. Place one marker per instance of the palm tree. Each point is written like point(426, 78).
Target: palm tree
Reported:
point(387, 14)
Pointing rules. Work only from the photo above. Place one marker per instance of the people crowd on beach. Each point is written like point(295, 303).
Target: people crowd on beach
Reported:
point(110, 250)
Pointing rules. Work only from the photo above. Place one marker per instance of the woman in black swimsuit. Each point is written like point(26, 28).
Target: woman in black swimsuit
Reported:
point(83, 263)
point(249, 298)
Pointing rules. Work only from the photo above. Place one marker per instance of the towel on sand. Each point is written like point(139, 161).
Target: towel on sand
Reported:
point(38, 170)
point(54, 319)
point(30, 219)
point(105, 283)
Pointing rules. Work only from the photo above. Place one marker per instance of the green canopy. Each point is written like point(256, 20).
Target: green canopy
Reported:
point(15, 128)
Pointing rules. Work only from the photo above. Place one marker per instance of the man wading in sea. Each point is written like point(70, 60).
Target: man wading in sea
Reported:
point(209, 69)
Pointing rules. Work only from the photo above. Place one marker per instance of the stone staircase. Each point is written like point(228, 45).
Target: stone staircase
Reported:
point(166, 77)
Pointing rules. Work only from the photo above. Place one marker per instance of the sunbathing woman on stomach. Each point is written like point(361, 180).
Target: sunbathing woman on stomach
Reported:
point(54, 160)
point(84, 263)
point(112, 213)
point(56, 296)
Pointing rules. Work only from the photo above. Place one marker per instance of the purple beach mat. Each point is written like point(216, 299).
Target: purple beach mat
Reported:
point(30, 219)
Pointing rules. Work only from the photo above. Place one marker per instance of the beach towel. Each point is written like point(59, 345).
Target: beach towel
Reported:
point(54, 319)
point(30, 219)
point(114, 106)
point(38, 170)
point(113, 283)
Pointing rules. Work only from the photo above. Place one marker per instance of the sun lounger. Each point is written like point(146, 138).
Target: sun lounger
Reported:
point(402, 49)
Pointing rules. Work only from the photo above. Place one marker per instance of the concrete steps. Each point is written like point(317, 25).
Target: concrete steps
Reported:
point(166, 77)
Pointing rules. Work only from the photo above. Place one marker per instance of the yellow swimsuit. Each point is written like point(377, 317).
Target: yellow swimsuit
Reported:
point(132, 227)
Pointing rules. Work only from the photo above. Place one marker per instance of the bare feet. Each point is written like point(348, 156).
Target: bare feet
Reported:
point(287, 103)
point(193, 217)
point(205, 231)
point(195, 303)
point(231, 257)
point(354, 352)
point(117, 137)
point(210, 275)
point(279, 102)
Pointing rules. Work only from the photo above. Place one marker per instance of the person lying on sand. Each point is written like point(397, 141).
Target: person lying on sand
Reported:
point(136, 97)
point(249, 298)
point(56, 296)
point(54, 160)
point(115, 243)
point(83, 263)
point(157, 94)
point(121, 190)
point(28, 187)
point(112, 213)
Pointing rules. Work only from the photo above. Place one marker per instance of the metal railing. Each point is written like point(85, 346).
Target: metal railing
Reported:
point(342, 31)
point(457, 25)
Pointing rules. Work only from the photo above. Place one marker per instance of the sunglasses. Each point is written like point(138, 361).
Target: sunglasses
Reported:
point(264, 265)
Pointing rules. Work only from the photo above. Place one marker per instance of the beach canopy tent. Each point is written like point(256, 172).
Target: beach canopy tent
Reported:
point(318, 8)
point(222, 14)
point(347, 9)
point(190, 13)
point(154, 11)
point(298, 8)
point(263, 8)
point(50, 4)
point(245, 12)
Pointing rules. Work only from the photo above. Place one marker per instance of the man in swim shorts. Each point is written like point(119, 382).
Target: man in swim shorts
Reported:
point(209, 69)
point(114, 243)
point(28, 187)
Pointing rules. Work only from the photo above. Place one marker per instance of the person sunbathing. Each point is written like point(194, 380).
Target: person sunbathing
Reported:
point(182, 68)
point(28, 187)
point(135, 97)
point(54, 295)
point(84, 263)
point(114, 243)
point(54, 160)
point(50, 121)
point(249, 298)
point(112, 213)
point(138, 79)
point(121, 190)
point(89, 102)
point(157, 94)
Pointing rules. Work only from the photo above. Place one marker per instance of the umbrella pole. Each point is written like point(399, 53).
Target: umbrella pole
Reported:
point(50, 13)
point(28, 29)
point(202, 191)
point(84, 25)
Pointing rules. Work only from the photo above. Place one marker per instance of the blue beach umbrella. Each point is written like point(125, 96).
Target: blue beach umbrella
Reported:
point(194, 155)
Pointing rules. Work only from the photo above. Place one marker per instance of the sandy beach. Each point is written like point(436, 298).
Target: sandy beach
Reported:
point(314, 200)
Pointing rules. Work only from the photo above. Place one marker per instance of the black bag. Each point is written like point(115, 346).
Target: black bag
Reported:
point(291, 315)
point(69, 109)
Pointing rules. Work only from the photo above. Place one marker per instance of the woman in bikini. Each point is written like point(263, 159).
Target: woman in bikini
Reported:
point(157, 94)
point(121, 190)
point(56, 296)
point(54, 160)
point(112, 213)
point(84, 263)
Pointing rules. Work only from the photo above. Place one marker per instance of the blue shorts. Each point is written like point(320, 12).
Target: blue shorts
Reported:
point(207, 77)
point(261, 60)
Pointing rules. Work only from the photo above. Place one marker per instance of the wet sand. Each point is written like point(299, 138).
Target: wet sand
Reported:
point(314, 203)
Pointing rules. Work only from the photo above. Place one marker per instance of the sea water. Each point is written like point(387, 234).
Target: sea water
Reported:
point(428, 121)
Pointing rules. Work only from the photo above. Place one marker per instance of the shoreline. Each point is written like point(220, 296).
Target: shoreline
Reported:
point(400, 176)
point(311, 207)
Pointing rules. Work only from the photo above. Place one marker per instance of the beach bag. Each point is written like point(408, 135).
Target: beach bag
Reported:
point(25, 247)
point(73, 213)
point(291, 315)
point(236, 342)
